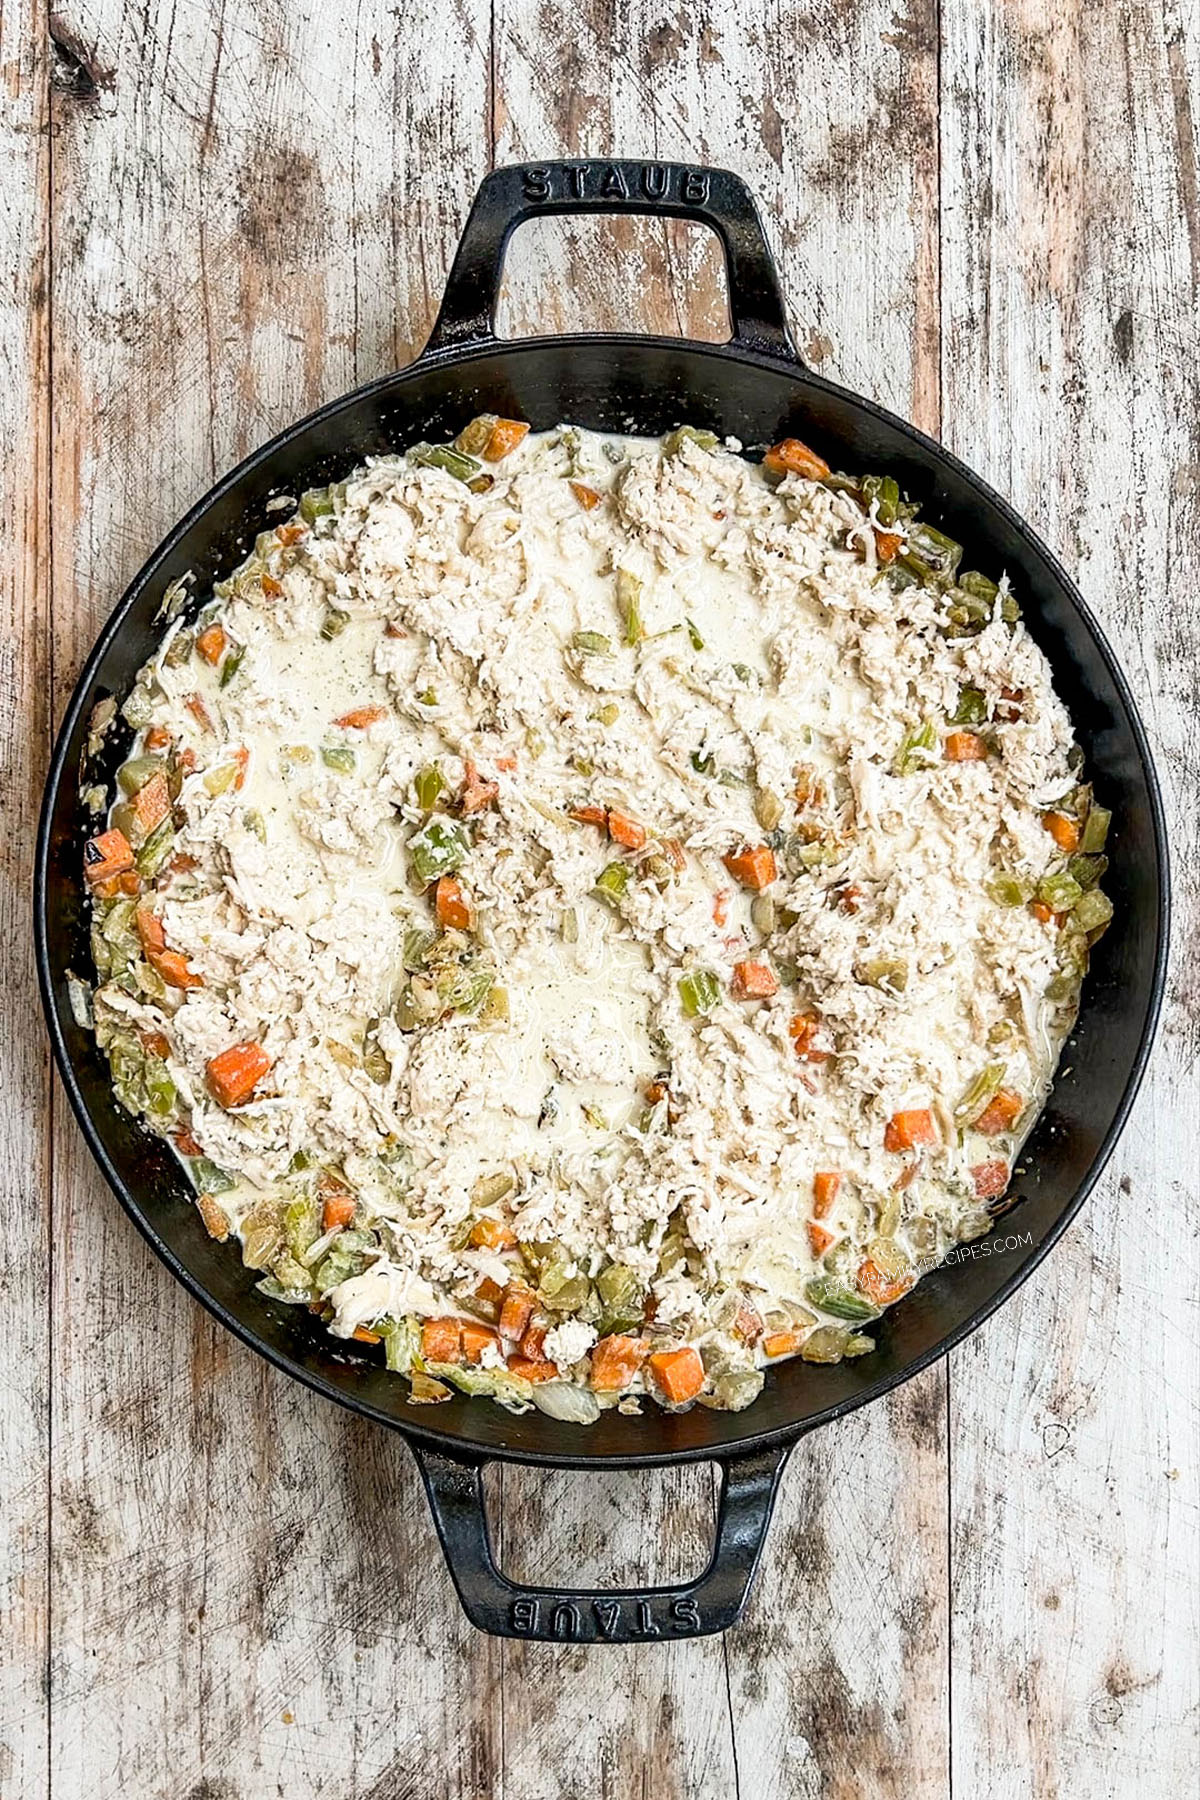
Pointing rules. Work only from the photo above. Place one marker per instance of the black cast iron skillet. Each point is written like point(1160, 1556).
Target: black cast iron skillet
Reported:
point(756, 388)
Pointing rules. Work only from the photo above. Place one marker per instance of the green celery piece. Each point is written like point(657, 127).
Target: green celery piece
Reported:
point(699, 992)
point(1095, 830)
point(1093, 910)
point(971, 708)
point(429, 785)
point(444, 456)
point(334, 623)
point(340, 757)
point(439, 848)
point(674, 441)
point(612, 882)
point(592, 643)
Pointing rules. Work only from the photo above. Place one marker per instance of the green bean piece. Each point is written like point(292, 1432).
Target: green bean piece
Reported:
point(429, 784)
point(689, 434)
point(156, 849)
point(930, 555)
point(1059, 890)
point(1095, 830)
point(340, 757)
point(694, 638)
point(439, 848)
point(417, 945)
point(232, 663)
point(591, 643)
point(971, 708)
point(1093, 910)
point(885, 491)
point(979, 586)
point(763, 913)
point(612, 882)
point(334, 623)
point(919, 750)
point(979, 1093)
point(444, 456)
point(699, 992)
point(835, 1297)
point(629, 605)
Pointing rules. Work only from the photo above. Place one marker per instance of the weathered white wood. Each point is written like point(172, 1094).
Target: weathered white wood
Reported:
point(1069, 305)
point(24, 721)
point(253, 210)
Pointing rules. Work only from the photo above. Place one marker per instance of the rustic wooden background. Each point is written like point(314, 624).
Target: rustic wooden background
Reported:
point(213, 217)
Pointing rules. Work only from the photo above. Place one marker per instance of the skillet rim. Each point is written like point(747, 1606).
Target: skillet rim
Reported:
point(461, 1446)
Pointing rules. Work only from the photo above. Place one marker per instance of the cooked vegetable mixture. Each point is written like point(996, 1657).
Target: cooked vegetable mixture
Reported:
point(595, 917)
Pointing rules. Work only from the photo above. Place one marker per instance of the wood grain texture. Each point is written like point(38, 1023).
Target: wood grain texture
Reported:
point(1070, 304)
point(24, 723)
point(987, 217)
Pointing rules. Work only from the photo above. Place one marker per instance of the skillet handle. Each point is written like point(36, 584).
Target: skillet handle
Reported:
point(713, 197)
point(712, 1602)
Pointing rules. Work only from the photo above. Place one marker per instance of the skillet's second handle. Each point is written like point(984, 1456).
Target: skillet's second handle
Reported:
point(712, 1602)
point(713, 197)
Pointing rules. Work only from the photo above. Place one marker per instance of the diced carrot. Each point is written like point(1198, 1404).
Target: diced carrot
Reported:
point(590, 815)
point(905, 1130)
point(187, 759)
point(625, 831)
point(672, 849)
point(182, 864)
point(211, 644)
point(157, 738)
point(392, 630)
point(791, 457)
point(679, 1373)
point(452, 904)
point(215, 1222)
point(1000, 1114)
point(151, 804)
point(338, 1207)
point(241, 757)
point(819, 1239)
point(990, 1179)
point(185, 1143)
point(150, 929)
point(747, 1325)
point(587, 497)
point(234, 1074)
point(532, 1369)
point(199, 712)
point(881, 1288)
point(720, 906)
point(271, 588)
point(888, 545)
point(155, 1043)
point(907, 1176)
point(533, 1340)
point(489, 1293)
point(441, 1340)
point(360, 718)
point(1041, 912)
point(782, 1343)
point(1063, 829)
point(476, 793)
point(173, 969)
point(615, 1362)
point(825, 1191)
point(107, 855)
point(506, 435)
point(655, 1091)
point(848, 898)
point(476, 1338)
point(364, 1336)
point(491, 1234)
point(129, 883)
point(803, 1029)
point(965, 746)
point(753, 981)
point(808, 790)
point(754, 866)
point(1009, 707)
point(506, 764)
point(517, 1309)
point(292, 533)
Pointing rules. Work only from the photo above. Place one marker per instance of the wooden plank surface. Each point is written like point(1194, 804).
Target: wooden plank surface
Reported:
point(24, 727)
point(991, 223)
